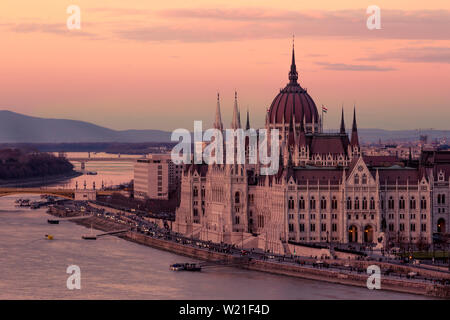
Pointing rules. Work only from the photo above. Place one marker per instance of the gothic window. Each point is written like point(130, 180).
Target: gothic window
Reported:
point(301, 203)
point(203, 191)
point(391, 203)
point(195, 212)
point(423, 203)
point(334, 203)
point(312, 203)
point(356, 203)
point(401, 203)
point(291, 227)
point(412, 203)
point(236, 220)
point(364, 203)
point(291, 203)
point(439, 199)
point(349, 203)
point(372, 203)
point(364, 179)
point(323, 203)
point(195, 192)
point(237, 197)
point(356, 178)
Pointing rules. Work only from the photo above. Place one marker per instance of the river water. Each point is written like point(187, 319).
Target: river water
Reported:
point(112, 268)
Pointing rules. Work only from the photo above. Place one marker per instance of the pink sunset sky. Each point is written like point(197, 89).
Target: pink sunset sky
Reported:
point(158, 64)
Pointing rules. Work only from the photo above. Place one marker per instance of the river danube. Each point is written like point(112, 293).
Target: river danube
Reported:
point(111, 268)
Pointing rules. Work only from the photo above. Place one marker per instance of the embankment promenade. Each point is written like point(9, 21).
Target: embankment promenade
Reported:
point(404, 285)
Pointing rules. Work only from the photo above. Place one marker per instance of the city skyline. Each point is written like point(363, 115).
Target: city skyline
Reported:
point(127, 63)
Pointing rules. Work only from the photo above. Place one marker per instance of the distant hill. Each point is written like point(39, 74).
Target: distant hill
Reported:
point(19, 128)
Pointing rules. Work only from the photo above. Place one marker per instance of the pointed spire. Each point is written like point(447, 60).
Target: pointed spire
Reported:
point(293, 75)
point(236, 123)
point(342, 121)
point(302, 137)
point(218, 122)
point(354, 140)
point(291, 134)
point(247, 125)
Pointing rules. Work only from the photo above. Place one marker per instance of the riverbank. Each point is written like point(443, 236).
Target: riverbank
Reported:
point(293, 270)
point(39, 181)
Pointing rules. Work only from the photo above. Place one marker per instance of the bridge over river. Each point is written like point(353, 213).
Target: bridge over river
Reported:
point(57, 192)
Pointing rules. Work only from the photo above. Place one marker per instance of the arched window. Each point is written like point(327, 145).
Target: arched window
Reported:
point(236, 220)
point(349, 203)
point(323, 203)
point(334, 203)
point(237, 197)
point(356, 178)
point(195, 192)
point(291, 203)
point(391, 203)
point(356, 203)
point(401, 203)
point(312, 203)
point(372, 203)
point(443, 199)
point(203, 192)
point(301, 203)
point(364, 179)
point(439, 199)
point(423, 203)
point(412, 203)
point(364, 203)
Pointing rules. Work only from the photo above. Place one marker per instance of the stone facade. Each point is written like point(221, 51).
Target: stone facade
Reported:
point(326, 190)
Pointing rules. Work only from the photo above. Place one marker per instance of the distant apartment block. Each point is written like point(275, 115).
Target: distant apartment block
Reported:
point(155, 177)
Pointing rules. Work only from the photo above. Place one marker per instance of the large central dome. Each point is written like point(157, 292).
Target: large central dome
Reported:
point(293, 99)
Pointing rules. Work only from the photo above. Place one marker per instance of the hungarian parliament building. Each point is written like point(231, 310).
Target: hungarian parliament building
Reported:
point(325, 191)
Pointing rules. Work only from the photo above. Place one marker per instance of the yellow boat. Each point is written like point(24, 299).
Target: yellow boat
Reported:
point(48, 237)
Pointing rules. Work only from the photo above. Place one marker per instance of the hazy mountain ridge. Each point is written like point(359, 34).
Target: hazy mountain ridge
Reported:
point(19, 128)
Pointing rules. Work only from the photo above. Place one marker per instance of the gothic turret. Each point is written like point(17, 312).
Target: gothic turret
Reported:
point(342, 131)
point(354, 140)
point(218, 122)
point(236, 123)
